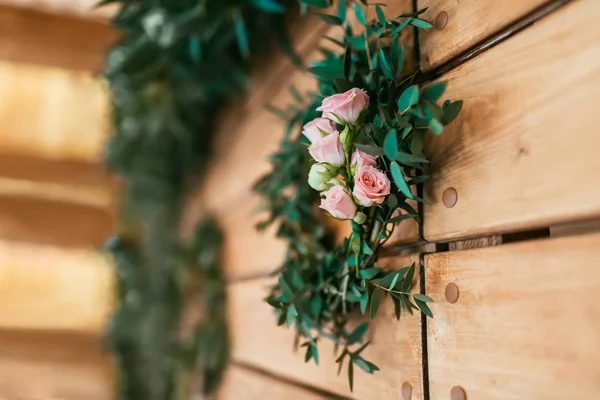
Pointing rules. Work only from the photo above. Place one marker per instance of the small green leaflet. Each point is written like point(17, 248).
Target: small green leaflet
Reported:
point(325, 72)
point(372, 150)
point(424, 308)
point(316, 3)
point(390, 144)
point(375, 300)
point(360, 363)
point(369, 273)
point(357, 334)
point(399, 179)
point(240, 32)
point(360, 14)
point(423, 298)
point(450, 112)
point(342, 10)
point(408, 98)
point(380, 15)
point(436, 126)
point(433, 92)
point(420, 23)
point(269, 6)
point(394, 281)
point(385, 67)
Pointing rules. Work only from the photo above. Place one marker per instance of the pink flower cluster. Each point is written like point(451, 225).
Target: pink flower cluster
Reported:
point(370, 185)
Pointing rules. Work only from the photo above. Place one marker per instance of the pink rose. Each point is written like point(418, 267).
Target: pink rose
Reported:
point(338, 203)
point(361, 159)
point(370, 186)
point(347, 105)
point(328, 149)
point(312, 130)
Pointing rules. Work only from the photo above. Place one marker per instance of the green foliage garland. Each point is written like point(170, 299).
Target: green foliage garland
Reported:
point(178, 63)
point(321, 285)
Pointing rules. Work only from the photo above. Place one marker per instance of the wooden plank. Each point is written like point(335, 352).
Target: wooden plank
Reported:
point(54, 366)
point(395, 346)
point(44, 288)
point(244, 384)
point(52, 113)
point(34, 37)
point(58, 223)
point(243, 143)
point(468, 23)
point(526, 324)
point(511, 152)
point(81, 8)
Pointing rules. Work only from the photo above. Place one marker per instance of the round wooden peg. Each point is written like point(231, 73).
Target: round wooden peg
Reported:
point(458, 393)
point(406, 391)
point(441, 20)
point(450, 197)
point(451, 293)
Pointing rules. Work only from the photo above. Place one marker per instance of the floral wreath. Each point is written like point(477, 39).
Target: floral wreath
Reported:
point(364, 131)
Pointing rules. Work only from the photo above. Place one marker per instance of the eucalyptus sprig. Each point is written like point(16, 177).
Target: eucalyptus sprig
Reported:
point(323, 285)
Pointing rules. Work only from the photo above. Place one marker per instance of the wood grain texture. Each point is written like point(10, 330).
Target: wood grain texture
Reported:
point(244, 384)
point(46, 221)
point(30, 36)
point(52, 113)
point(44, 288)
point(511, 153)
point(36, 366)
point(81, 8)
point(526, 324)
point(244, 140)
point(395, 346)
point(469, 22)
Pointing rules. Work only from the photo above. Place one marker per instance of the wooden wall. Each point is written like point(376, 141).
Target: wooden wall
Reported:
point(521, 159)
point(521, 244)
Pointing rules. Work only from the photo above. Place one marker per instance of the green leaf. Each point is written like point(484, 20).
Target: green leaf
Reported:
point(369, 273)
point(450, 112)
point(409, 278)
point(380, 15)
point(292, 310)
point(402, 218)
point(390, 144)
point(347, 61)
point(394, 281)
point(316, 3)
point(315, 354)
point(398, 177)
point(342, 14)
point(408, 98)
point(357, 334)
point(423, 298)
point(364, 299)
point(351, 376)
point(360, 363)
point(372, 150)
point(375, 300)
point(433, 92)
point(240, 32)
point(397, 307)
point(360, 15)
point(424, 308)
point(285, 289)
point(290, 319)
point(385, 67)
point(358, 42)
point(366, 249)
point(269, 6)
point(392, 201)
point(361, 348)
point(436, 126)
point(330, 19)
point(316, 305)
point(325, 72)
point(420, 23)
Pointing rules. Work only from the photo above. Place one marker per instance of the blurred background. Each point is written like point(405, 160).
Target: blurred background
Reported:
point(56, 202)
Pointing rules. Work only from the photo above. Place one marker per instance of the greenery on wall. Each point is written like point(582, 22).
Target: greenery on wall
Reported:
point(178, 63)
point(365, 156)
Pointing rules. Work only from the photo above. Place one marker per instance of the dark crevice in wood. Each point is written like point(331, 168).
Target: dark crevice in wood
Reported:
point(424, 351)
point(527, 235)
point(521, 24)
point(291, 382)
